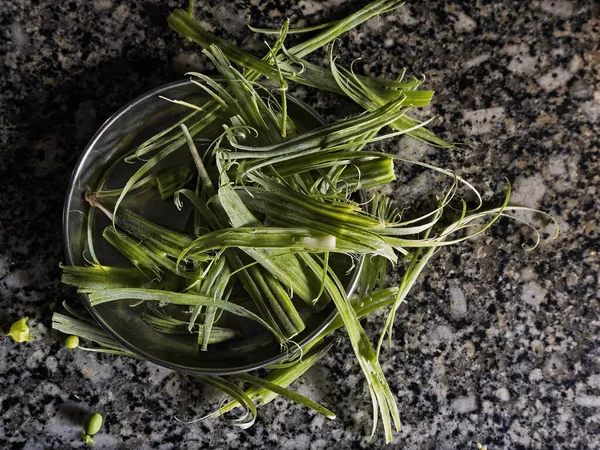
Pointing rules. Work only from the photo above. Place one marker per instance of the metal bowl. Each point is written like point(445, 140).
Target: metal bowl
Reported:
point(127, 128)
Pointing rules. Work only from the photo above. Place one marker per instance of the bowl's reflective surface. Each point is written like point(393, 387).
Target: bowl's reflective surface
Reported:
point(129, 127)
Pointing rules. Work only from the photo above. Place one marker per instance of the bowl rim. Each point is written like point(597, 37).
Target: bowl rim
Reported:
point(79, 166)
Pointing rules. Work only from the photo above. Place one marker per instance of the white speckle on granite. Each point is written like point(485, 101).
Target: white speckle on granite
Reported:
point(52, 389)
point(14, 279)
point(487, 407)
point(458, 303)
point(51, 363)
point(464, 405)
point(310, 6)
point(523, 65)
point(375, 24)
point(520, 433)
point(537, 346)
point(411, 149)
point(405, 17)
point(103, 5)
point(385, 190)
point(34, 444)
point(121, 13)
point(588, 401)
point(104, 440)
point(482, 121)
point(533, 294)
point(441, 333)
point(521, 62)
point(317, 423)
point(207, 25)
point(592, 109)
point(536, 375)
point(316, 384)
point(173, 386)
point(575, 64)
point(231, 19)
point(126, 429)
point(555, 79)
point(92, 368)
point(561, 8)
point(157, 373)
point(555, 368)
point(557, 166)
point(594, 380)
point(34, 359)
point(477, 61)
point(464, 23)
point(360, 417)
point(502, 394)
point(298, 441)
point(319, 444)
point(469, 349)
point(580, 90)
point(389, 42)
point(19, 36)
point(528, 274)
point(528, 191)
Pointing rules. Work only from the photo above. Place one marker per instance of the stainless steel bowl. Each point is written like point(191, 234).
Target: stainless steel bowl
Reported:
point(127, 128)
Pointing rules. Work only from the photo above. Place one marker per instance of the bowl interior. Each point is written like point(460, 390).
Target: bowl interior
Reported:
point(128, 128)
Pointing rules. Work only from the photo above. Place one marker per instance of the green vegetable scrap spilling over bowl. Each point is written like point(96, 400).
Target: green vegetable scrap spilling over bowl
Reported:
point(217, 226)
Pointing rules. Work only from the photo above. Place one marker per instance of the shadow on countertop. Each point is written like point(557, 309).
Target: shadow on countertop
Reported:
point(49, 129)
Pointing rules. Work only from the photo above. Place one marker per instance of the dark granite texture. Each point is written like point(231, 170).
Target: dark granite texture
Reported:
point(496, 345)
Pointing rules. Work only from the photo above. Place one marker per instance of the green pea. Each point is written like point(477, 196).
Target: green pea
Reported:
point(92, 423)
point(72, 342)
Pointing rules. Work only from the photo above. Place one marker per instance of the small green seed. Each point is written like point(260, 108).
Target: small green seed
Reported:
point(72, 342)
point(92, 423)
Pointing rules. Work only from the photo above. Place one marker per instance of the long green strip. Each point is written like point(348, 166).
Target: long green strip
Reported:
point(369, 99)
point(284, 377)
point(383, 400)
point(243, 422)
point(94, 278)
point(351, 21)
point(217, 291)
point(294, 30)
point(151, 295)
point(209, 115)
point(187, 26)
point(286, 268)
point(168, 325)
point(286, 238)
point(146, 257)
point(273, 303)
point(294, 396)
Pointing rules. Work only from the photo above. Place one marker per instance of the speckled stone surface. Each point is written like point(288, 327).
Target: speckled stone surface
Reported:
point(496, 345)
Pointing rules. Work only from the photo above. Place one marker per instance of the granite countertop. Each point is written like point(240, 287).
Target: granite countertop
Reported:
point(496, 345)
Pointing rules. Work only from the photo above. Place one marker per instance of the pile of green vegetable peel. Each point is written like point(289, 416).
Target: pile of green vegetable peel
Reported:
point(273, 208)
